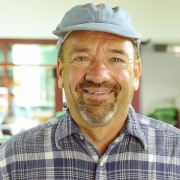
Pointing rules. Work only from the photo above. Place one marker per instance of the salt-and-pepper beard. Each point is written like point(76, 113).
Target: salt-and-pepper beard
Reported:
point(98, 112)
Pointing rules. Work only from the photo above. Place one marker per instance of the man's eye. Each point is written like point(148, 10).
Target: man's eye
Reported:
point(117, 63)
point(81, 61)
point(81, 58)
point(117, 60)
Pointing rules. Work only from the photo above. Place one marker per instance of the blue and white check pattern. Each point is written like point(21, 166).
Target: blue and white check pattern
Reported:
point(146, 149)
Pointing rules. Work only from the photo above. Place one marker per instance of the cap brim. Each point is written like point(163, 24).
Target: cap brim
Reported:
point(102, 27)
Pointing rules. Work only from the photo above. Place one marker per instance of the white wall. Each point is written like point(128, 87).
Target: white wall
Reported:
point(160, 83)
point(157, 20)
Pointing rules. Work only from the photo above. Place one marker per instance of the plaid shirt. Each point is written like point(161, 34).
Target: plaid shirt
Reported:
point(145, 149)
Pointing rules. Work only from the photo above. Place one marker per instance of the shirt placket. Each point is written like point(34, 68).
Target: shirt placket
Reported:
point(101, 172)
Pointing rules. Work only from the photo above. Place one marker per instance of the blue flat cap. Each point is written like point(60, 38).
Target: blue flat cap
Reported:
point(99, 17)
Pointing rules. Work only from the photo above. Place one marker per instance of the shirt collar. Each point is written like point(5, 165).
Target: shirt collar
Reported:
point(133, 127)
point(67, 127)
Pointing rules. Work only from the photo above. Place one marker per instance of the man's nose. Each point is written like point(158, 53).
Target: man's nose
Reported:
point(97, 71)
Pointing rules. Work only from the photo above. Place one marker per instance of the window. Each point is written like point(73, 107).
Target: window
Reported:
point(27, 83)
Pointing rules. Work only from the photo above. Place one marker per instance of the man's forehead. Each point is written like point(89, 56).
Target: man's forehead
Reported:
point(80, 38)
point(91, 41)
point(95, 34)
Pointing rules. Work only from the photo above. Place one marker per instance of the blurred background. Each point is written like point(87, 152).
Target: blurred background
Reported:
point(28, 89)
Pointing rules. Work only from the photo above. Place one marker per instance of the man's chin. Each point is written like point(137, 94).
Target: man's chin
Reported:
point(97, 115)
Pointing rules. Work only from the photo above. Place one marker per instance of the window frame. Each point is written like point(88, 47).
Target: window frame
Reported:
point(4, 44)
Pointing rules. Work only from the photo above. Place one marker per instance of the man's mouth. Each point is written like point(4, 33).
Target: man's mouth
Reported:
point(97, 92)
point(93, 90)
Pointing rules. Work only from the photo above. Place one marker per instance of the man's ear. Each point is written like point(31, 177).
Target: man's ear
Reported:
point(137, 74)
point(59, 73)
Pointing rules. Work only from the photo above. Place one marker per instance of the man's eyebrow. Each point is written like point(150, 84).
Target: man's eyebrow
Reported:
point(76, 50)
point(119, 51)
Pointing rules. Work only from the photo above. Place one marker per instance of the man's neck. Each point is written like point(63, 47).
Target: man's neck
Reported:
point(102, 137)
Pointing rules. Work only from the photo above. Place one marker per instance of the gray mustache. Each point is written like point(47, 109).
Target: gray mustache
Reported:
point(105, 84)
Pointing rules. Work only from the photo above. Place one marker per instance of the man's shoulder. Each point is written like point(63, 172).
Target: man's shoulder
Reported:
point(29, 139)
point(155, 125)
point(41, 128)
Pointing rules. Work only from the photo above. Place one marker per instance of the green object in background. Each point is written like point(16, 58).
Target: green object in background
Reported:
point(60, 113)
point(4, 138)
point(167, 115)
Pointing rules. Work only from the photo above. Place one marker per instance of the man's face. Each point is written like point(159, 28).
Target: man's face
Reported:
point(99, 76)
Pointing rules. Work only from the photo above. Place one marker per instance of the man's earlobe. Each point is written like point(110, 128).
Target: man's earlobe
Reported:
point(60, 83)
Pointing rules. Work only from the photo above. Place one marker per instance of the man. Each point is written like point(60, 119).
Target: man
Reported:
point(100, 136)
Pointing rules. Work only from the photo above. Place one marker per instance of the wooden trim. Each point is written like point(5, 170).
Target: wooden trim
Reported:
point(4, 46)
point(28, 41)
point(59, 98)
point(136, 101)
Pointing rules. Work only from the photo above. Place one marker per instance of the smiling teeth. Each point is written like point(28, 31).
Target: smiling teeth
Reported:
point(97, 92)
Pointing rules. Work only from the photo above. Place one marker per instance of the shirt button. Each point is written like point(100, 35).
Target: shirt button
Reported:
point(81, 138)
point(101, 163)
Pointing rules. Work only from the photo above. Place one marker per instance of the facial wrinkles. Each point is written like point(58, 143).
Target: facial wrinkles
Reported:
point(100, 42)
point(97, 112)
point(113, 47)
